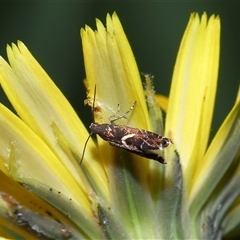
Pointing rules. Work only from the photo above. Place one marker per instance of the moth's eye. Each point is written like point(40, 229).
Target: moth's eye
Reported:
point(165, 142)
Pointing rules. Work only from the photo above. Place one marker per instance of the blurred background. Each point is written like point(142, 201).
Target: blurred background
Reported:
point(50, 30)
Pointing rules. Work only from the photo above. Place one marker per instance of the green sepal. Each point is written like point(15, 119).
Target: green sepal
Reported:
point(227, 141)
point(220, 203)
point(231, 223)
point(170, 205)
point(131, 199)
point(111, 228)
point(82, 226)
point(153, 108)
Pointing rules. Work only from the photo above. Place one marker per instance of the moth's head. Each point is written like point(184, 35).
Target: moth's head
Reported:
point(165, 142)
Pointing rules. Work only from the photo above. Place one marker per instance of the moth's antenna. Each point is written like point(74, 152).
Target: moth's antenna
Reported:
point(85, 145)
point(84, 148)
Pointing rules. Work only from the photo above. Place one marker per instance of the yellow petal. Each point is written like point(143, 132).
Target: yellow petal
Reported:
point(110, 65)
point(219, 156)
point(162, 101)
point(13, 195)
point(28, 157)
point(44, 109)
point(193, 91)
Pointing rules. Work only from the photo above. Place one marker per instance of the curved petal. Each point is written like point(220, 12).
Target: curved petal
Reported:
point(110, 65)
point(193, 91)
point(216, 162)
point(45, 110)
point(28, 157)
point(18, 206)
point(162, 101)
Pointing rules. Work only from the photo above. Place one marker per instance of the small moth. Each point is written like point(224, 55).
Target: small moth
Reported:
point(134, 140)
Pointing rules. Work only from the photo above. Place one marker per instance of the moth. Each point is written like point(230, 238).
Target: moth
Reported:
point(134, 140)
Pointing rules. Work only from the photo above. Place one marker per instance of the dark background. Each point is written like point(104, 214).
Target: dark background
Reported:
point(50, 30)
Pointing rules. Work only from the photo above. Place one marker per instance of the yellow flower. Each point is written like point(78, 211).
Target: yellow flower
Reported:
point(113, 193)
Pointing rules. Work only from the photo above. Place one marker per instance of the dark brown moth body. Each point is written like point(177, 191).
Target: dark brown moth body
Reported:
point(134, 140)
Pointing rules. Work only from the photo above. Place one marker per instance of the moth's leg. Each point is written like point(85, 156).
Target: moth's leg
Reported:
point(114, 118)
